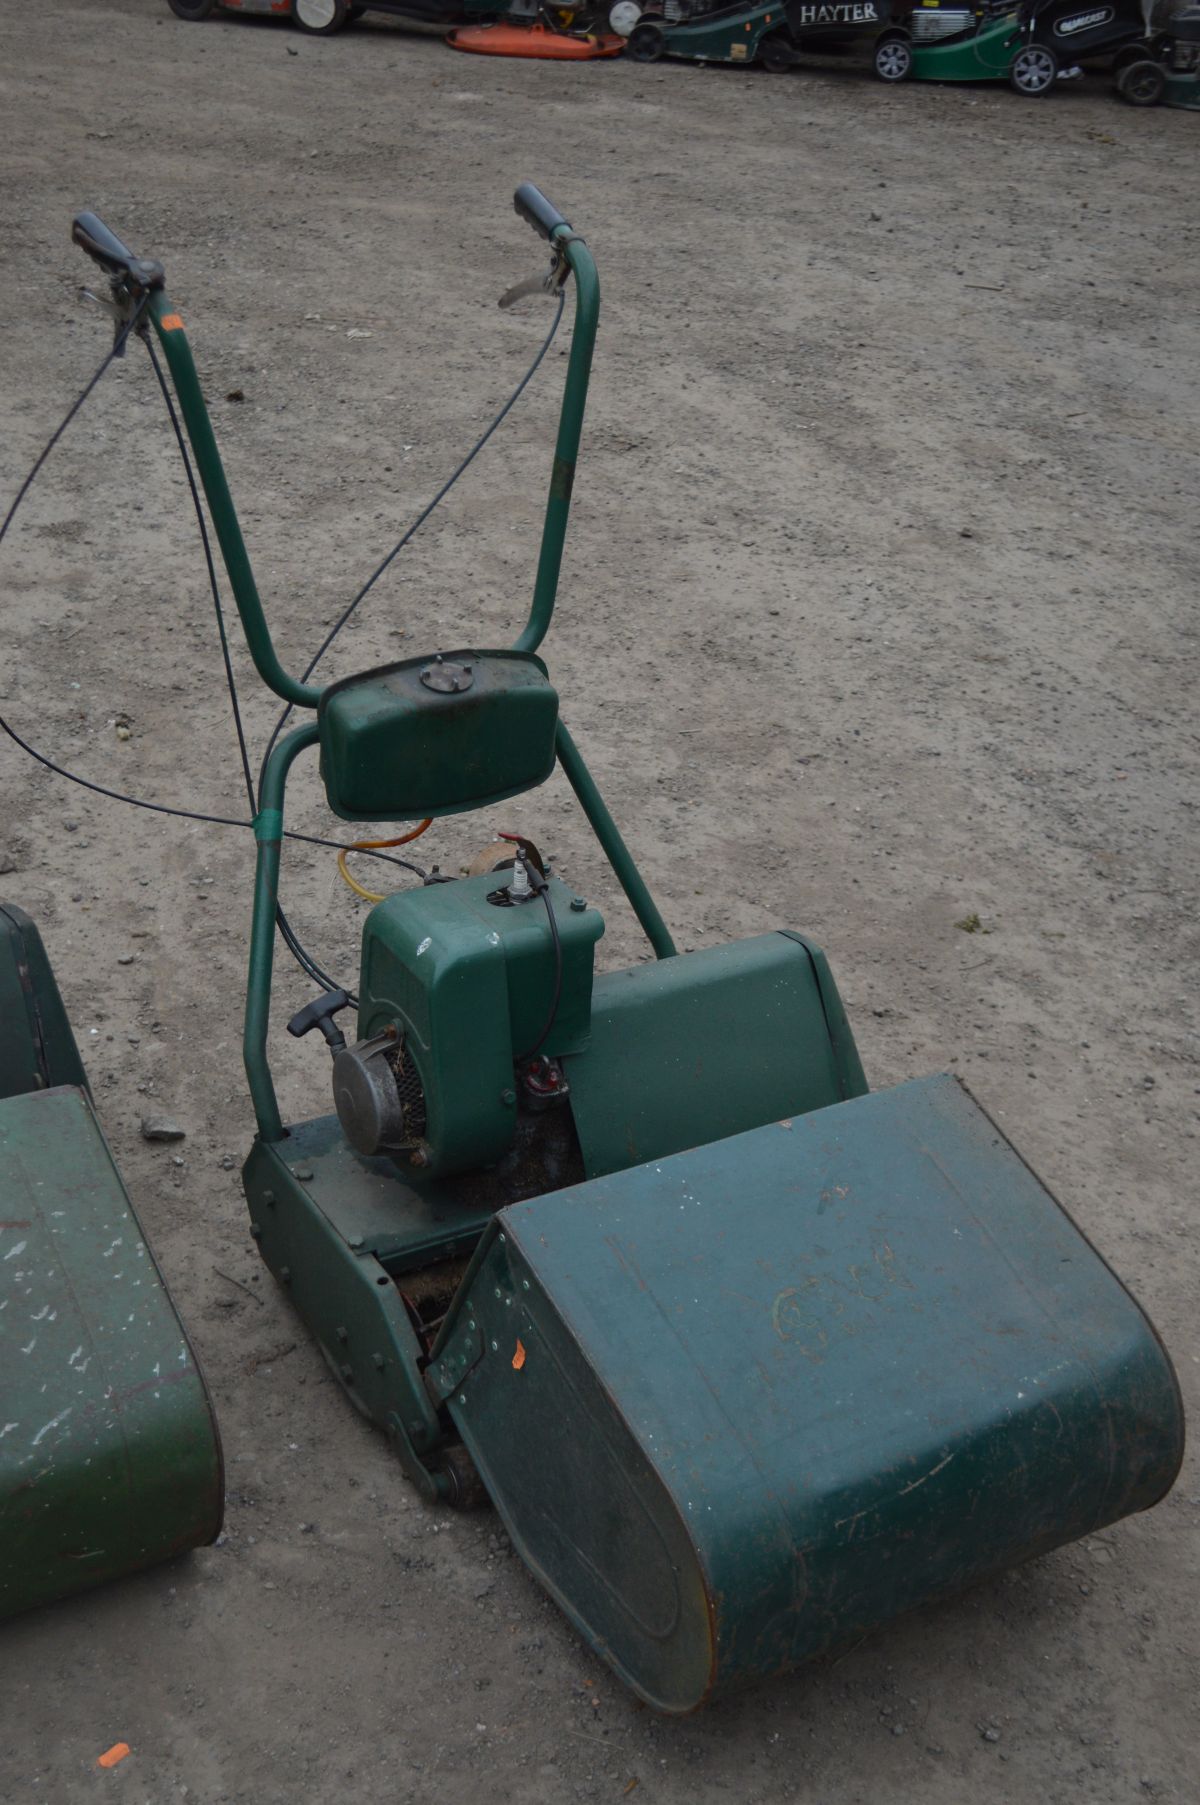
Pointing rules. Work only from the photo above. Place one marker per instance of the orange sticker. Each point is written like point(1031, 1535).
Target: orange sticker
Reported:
point(171, 322)
point(519, 1357)
point(110, 1757)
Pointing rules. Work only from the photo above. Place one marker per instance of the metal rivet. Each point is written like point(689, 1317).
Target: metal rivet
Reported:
point(471, 1324)
point(378, 1359)
point(578, 904)
point(462, 1397)
point(502, 1240)
point(347, 1372)
point(341, 1334)
point(495, 1346)
point(285, 1275)
point(255, 1231)
point(268, 1196)
point(355, 1241)
point(524, 1284)
point(508, 1097)
point(499, 1293)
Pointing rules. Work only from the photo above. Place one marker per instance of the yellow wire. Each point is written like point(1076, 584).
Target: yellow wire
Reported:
point(370, 896)
point(373, 896)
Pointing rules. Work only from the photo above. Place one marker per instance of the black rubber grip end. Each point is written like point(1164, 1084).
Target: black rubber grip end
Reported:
point(536, 210)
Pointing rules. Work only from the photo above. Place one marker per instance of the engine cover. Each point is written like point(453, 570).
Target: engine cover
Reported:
point(453, 989)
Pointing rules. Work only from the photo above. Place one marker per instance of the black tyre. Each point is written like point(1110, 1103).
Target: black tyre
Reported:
point(1034, 71)
point(893, 57)
point(775, 52)
point(646, 42)
point(320, 18)
point(192, 10)
point(1142, 84)
point(466, 1489)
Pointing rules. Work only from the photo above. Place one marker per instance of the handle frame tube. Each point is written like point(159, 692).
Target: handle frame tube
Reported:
point(177, 351)
point(268, 831)
point(614, 847)
point(566, 450)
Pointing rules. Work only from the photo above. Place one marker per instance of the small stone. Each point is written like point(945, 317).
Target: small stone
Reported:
point(483, 1587)
point(126, 958)
point(123, 732)
point(162, 1128)
point(8, 861)
point(990, 1734)
point(228, 1163)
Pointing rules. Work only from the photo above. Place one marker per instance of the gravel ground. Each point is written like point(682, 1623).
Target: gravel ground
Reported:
point(878, 615)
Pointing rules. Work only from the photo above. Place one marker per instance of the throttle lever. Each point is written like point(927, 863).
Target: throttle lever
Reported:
point(555, 277)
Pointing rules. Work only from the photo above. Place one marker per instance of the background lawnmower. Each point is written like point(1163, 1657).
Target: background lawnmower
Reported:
point(775, 35)
point(749, 1358)
point(321, 18)
point(1166, 71)
point(1031, 47)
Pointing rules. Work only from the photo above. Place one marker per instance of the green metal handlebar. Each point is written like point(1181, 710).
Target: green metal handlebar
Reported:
point(570, 426)
point(169, 329)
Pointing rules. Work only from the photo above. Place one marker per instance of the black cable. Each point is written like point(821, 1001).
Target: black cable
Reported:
point(539, 883)
point(308, 965)
point(213, 585)
point(187, 814)
point(99, 789)
point(420, 520)
point(119, 343)
point(291, 939)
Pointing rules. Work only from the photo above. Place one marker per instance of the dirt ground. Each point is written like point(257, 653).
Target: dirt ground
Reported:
point(878, 614)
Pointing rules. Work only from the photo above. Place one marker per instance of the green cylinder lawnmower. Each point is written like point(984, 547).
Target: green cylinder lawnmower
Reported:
point(748, 1357)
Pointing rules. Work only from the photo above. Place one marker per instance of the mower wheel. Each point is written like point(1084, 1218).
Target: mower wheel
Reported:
point(1034, 71)
point(192, 10)
point(646, 42)
point(1143, 83)
point(320, 18)
point(775, 52)
point(466, 1490)
point(893, 57)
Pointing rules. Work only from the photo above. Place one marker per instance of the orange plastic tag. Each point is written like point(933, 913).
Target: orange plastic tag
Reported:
point(171, 322)
point(110, 1757)
point(519, 1357)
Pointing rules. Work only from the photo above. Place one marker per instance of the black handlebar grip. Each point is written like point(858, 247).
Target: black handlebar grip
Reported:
point(93, 236)
point(536, 210)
